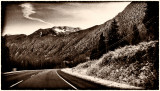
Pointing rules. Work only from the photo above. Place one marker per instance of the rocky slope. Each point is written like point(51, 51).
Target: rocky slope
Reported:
point(47, 48)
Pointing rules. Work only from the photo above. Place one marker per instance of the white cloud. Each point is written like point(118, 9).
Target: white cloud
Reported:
point(85, 15)
point(28, 9)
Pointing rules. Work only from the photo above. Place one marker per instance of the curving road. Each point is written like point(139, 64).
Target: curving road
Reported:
point(45, 79)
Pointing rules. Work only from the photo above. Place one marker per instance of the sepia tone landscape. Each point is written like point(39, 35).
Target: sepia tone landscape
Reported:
point(124, 50)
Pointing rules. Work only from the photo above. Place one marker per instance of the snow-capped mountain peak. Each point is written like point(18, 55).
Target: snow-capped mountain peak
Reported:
point(64, 29)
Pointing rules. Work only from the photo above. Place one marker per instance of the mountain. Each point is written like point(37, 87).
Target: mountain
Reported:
point(66, 47)
point(56, 30)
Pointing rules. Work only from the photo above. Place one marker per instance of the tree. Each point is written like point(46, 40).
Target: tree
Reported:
point(113, 36)
point(93, 54)
point(151, 20)
point(5, 59)
point(102, 45)
point(135, 37)
point(98, 52)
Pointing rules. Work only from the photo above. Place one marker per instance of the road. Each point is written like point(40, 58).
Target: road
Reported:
point(50, 79)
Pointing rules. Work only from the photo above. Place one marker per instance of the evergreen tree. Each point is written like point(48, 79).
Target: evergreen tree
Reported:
point(135, 37)
point(113, 36)
point(98, 52)
point(93, 54)
point(102, 46)
point(5, 59)
point(151, 20)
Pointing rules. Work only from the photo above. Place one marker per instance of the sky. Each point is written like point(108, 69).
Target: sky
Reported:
point(27, 17)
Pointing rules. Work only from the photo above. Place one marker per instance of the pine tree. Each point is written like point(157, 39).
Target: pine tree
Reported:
point(151, 20)
point(98, 52)
point(93, 54)
point(102, 46)
point(113, 36)
point(135, 37)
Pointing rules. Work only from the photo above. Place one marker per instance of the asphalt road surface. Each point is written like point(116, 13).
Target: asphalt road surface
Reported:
point(50, 79)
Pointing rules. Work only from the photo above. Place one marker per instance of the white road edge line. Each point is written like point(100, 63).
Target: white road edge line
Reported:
point(16, 83)
point(66, 81)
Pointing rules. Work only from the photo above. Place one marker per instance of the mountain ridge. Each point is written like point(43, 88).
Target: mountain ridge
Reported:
point(68, 50)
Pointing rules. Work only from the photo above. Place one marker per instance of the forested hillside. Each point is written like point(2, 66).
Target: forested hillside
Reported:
point(47, 49)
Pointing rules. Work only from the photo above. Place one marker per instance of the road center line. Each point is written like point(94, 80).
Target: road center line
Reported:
point(16, 83)
point(66, 81)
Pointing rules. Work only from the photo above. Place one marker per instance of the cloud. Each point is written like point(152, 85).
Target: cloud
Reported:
point(28, 9)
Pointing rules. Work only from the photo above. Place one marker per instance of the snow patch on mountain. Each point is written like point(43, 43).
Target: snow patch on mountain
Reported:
point(64, 29)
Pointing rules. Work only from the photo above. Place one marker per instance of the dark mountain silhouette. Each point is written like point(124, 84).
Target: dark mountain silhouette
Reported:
point(47, 48)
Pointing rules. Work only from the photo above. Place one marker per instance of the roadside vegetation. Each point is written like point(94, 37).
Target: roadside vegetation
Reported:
point(136, 65)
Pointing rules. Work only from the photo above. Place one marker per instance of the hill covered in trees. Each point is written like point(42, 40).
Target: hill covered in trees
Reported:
point(47, 49)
